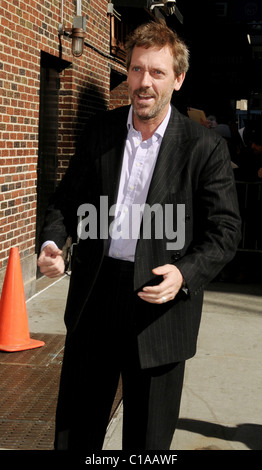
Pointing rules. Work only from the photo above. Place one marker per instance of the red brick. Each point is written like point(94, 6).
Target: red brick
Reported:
point(29, 29)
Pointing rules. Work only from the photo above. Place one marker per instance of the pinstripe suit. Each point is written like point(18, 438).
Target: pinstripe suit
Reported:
point(193, 168)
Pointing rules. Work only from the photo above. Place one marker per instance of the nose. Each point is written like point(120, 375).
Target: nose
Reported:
point(146, 80)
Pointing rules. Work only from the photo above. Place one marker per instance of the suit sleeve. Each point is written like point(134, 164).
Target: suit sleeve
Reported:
point(75, 188)
point(82, 181)
point(216, 220)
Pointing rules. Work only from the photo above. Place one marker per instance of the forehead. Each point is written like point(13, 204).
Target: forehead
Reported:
point(155, 56)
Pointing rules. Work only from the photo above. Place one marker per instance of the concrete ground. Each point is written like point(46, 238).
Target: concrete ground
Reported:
point(221, 405)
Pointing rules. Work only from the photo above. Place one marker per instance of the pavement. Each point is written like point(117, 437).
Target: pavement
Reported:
point(221, 405)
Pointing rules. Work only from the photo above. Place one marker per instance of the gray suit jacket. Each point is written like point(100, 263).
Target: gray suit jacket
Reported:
point(193, 169)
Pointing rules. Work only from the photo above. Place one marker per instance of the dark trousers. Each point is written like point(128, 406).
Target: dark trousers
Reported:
point(104, 346)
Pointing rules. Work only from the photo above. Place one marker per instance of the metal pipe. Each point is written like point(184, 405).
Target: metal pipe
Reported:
point(61, 25)
point(78, 8)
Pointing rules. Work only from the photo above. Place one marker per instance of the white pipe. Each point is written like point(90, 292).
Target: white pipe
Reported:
point(61, 25)
point(78, 8)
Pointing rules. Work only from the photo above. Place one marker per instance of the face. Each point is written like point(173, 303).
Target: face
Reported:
point(151, 82)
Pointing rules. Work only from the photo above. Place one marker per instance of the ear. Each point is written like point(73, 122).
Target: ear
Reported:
point(179, 81)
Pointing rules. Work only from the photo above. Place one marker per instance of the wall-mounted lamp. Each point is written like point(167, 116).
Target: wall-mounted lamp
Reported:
point(77, 33)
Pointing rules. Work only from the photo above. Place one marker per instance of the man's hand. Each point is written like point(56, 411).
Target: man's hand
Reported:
point(50, 261)
point(167, 289)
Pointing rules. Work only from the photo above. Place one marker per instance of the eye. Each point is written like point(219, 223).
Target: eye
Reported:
point(136, 69)
point(158, 73)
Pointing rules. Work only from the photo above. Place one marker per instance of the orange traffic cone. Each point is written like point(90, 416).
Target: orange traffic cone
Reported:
point(14, 329)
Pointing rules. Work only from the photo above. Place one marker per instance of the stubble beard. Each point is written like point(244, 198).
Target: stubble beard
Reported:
point(141, 110)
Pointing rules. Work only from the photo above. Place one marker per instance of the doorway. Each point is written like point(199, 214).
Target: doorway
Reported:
point(50, 70)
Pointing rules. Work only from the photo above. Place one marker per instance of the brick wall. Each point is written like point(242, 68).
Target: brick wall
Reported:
point(28, 28)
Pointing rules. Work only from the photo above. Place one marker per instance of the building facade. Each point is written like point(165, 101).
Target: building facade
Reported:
point(47, 93)
point(46, 96)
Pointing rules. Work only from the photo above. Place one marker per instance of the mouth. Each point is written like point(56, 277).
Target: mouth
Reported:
point(144, 98)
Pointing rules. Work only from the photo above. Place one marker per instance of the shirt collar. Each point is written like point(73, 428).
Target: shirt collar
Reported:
point(159, 132)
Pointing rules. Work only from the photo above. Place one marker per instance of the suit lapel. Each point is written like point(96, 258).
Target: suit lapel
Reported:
point(171, 160)
point(111, 164)
point(112, 157)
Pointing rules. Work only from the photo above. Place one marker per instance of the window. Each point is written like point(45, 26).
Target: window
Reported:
point(221, 9)
point(119, 31)
point(123, 21)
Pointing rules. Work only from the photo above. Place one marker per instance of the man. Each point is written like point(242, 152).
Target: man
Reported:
point(135, 296)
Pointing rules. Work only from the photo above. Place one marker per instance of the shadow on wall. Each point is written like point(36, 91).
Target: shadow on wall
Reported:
point(91, 101)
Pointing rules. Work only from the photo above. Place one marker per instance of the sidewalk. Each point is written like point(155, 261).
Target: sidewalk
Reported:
point(221, 404)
